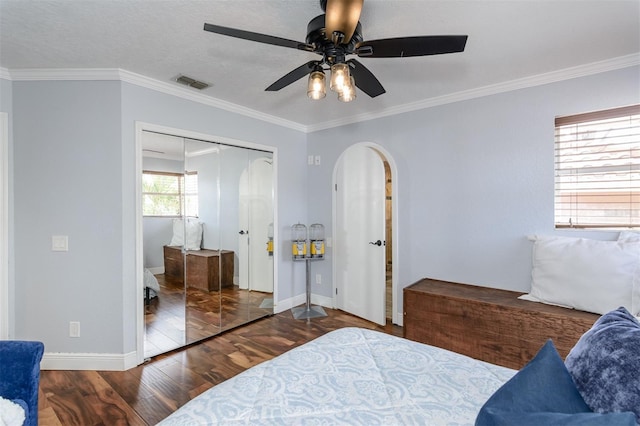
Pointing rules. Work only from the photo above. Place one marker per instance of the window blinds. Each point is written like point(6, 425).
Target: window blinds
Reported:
point(597, 169)
point(169, 194)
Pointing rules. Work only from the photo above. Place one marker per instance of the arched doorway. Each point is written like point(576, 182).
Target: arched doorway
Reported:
point(363, 226)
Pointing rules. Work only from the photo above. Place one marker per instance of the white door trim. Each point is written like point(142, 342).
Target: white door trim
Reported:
point(4, 225)
point(397, 317)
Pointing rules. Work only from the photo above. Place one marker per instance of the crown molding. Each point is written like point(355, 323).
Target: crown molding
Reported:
point(64, 74)
point(114, 74)
point(189, 94)
point(522, 83)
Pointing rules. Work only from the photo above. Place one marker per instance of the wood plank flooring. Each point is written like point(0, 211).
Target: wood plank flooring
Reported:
point(148, 393)
point(180, 316)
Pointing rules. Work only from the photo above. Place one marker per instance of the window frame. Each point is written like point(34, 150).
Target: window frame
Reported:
point(605, 169)
point(181, 194)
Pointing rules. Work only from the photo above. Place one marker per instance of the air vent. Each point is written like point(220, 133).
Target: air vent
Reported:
point(192, 82)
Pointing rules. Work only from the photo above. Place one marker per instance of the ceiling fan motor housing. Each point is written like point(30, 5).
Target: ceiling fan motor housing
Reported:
point(332, 52)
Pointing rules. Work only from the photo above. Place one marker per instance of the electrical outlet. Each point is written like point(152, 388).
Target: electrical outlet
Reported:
point(59, 243)
point(318, 278)
point(317, 160)
point(74, 329)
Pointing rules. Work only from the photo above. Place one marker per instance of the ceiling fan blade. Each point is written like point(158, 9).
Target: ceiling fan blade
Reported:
point(364, 79)
point(293, 76)
point(261, 38)
point(342, 16)
point(402, 47)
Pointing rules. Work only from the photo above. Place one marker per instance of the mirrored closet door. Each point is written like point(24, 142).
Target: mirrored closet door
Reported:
point(246, 200)
point(208, 261)
point(205, 261)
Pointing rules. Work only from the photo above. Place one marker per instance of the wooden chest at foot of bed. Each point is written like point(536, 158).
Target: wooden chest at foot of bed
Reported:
point(488, 324)
point(206, 269)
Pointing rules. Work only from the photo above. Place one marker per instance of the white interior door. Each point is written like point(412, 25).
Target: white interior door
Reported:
point(4, 226)
point(359, 234)
point(256, 214)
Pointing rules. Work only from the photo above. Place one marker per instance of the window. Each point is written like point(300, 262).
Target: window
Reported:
point(169, 194)
point(597, 169)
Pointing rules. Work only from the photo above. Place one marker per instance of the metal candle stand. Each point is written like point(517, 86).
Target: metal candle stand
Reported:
point(300, 253)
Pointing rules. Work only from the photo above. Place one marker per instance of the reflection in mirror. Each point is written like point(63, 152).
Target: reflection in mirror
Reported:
point(205, 262)
point(246, 201)
point(163, 171)
point(206, 248)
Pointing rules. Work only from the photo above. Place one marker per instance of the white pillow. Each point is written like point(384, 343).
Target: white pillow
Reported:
point(194, 234)
point(589, 275)
point(11, 414)
point(633, 236)
point(629, 236)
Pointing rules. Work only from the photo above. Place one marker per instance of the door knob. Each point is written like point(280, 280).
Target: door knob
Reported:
point(242, 232)
point(377, 243)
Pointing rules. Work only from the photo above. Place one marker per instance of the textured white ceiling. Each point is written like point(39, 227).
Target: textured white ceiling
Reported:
point(508, 40)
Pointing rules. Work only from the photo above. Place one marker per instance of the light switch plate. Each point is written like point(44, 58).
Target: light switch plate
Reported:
point(59, 243)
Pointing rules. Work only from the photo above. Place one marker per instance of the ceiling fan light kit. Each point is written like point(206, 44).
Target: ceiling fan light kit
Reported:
point(336, 34)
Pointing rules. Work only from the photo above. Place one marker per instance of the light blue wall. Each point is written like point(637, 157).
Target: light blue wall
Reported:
point(207, 167)
point(144, 105)
point(474, 177)
point(68, 181)
point(74, 174)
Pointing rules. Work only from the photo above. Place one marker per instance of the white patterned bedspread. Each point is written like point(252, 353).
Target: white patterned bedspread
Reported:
point(351, 376)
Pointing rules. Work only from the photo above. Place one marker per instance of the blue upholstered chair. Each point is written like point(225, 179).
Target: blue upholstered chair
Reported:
point(20, 375)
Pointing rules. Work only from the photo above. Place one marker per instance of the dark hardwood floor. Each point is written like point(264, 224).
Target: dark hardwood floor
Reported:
point(150, 392)
point(179, 316)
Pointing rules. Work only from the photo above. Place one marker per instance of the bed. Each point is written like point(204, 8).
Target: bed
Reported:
point(355, 376)
point(151, 286)
point(351, 376)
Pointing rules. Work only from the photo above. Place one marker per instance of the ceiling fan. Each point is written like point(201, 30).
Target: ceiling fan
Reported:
point(336, 34)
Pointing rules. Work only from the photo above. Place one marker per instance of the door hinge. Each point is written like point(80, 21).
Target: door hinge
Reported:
point(336, 291)
point(336, 187)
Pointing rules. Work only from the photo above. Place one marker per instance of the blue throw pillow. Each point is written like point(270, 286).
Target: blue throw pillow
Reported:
point(543, 392)
point(497, 417)
point(605, 364)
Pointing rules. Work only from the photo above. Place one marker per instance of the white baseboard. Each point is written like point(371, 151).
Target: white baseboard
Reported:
point(88, 361)
point(301, 299)
point(323, 301)
point(157, 270)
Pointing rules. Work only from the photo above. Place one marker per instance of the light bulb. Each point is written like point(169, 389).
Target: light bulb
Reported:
point(348, 92)
point(339, 77)
point(316, 87)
